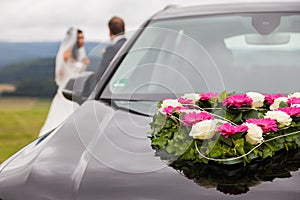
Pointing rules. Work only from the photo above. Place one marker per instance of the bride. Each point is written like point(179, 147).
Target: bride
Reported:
point(70, 60)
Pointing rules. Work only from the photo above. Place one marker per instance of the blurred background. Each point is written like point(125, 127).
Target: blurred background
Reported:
point(31, 32)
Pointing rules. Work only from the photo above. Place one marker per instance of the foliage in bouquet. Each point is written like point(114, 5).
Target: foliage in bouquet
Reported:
point(226, 128)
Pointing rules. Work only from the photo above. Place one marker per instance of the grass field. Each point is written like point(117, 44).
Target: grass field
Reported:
point(20, 122)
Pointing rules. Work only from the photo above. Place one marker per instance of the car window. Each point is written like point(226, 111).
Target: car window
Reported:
point(240, 53)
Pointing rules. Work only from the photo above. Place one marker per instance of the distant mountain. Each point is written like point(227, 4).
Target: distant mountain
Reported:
point(15, 52)
point(31, 78)
point(32, 71)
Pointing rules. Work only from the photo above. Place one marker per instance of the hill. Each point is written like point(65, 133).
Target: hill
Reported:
point(15, 52)
point(33, 78)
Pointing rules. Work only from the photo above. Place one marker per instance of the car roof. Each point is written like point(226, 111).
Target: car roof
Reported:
point(227, 7)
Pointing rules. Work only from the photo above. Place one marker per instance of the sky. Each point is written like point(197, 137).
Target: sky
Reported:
point(48, 20)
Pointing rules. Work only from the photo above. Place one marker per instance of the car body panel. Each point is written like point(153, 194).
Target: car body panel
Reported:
point(228, 7)
point(117, 163)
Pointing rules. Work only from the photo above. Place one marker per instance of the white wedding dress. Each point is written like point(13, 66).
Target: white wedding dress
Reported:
point(61, 107)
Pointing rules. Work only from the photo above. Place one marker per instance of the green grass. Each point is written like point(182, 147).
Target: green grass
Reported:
point(20, 122)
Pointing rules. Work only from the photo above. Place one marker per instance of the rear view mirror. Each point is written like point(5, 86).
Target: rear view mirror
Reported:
point(80, 87)
point(272, 39)
point(266, 23)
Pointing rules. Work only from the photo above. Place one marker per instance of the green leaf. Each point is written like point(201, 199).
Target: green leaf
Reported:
point(192, 153)
point(298, 141)
point(238, 118)
point(289, 139)
point(215, 149)
point(227, 141)
point(283, 104)
point(220, 113)
point(222, 96)
point(267, 152)
point(213, 102)
point(239, 145)
point(158, 121)
point(160, 142)
point(229, 116)
point(237, 136)
point(251, 114)
point(257, 152)
point(159, 104)
point(272, 145)
point(204, 104)
point(260, 115)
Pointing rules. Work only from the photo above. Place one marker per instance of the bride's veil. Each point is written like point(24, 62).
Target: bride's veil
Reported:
point(61, 108)
point(69, 42)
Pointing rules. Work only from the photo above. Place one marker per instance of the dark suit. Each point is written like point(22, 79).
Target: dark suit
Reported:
point(108, 56)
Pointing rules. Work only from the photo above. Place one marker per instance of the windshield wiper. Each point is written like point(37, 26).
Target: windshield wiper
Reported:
point(112, 102)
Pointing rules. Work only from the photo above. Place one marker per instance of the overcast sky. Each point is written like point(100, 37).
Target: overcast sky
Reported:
point(48, 20)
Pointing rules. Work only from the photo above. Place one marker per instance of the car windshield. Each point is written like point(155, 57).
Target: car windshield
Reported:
point(237, 53)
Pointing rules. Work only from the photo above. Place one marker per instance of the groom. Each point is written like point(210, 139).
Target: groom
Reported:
point(116, 32)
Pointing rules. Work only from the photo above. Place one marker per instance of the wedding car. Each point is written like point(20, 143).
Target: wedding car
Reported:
point(137, 135)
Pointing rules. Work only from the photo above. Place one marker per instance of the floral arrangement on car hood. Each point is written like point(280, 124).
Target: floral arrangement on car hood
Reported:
point(226, 128)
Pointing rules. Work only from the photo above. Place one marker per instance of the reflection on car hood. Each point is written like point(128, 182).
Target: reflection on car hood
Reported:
point(103, 153)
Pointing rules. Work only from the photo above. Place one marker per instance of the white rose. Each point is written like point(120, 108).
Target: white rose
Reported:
point(281, 117)
point(296, 94)
point(257, 98)
point(254, 134)
point(203, 130)
point(192, 96)
point(277, 101)
point(170, 102)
